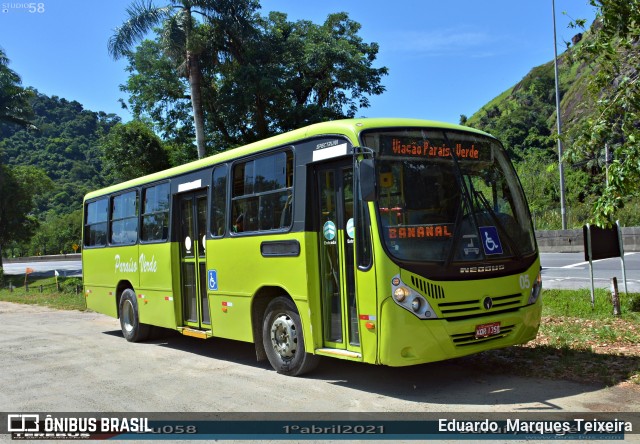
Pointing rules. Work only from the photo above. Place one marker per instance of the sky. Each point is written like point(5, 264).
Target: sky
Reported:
point(445, 58)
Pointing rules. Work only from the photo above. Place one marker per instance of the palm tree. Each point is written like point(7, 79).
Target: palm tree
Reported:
point(179, 24)
point(14, 99)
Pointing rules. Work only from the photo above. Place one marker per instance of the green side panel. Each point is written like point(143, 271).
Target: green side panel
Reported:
point(157, 308)
point(231, 316)
point(97, 267)
point(154, 261)
point(125, 265)
point(102, 269)
point(101, 300)
point(367, 305)
point(311, 309)
point(176, 283)
point(243, 272)
point(108, 266)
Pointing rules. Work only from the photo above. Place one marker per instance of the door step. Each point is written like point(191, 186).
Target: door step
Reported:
point(337, 352)
point(201, 334)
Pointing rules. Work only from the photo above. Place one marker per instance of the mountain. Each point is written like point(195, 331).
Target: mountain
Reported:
point(524, 118)
point(64, 145)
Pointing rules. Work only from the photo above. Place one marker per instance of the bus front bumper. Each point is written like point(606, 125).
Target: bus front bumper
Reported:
point(411, 341)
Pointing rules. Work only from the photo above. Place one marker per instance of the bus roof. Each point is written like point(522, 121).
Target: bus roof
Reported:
point(347, 127)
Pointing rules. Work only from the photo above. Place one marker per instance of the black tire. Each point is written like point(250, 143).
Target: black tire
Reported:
point(283, 340)
point(132, 329)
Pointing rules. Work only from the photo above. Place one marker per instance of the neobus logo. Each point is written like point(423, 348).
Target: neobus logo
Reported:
point(485, 269)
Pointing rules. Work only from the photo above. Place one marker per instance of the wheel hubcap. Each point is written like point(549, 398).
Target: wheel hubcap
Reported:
point(127, 316)
point(284, 337)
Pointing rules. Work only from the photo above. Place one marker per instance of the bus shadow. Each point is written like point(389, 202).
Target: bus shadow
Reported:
point(486, 379)
point(490, 378)
point(237, 352)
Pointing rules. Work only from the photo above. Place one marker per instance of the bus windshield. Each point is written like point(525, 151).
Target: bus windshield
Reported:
point(448, 196)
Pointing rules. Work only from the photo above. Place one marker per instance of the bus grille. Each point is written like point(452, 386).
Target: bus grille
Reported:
point(474, 307)
point(427, 288)
point(464, 339)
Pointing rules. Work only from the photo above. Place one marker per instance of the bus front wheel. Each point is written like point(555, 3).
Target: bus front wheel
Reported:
point(283, 341)
point(132, 329)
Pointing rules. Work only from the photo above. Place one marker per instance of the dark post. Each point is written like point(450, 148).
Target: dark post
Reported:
point(615, 298)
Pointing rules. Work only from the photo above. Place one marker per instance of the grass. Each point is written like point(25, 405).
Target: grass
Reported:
point(43, 291)
point(575, 341)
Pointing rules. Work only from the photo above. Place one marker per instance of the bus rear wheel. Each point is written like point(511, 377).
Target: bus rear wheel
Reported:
point(283, 340)
point(132, 329)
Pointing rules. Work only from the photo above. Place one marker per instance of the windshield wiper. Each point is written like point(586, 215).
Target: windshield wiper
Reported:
point(466, 201)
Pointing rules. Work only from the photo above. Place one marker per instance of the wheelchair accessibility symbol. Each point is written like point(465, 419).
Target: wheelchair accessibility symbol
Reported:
point(490, 240)
point(213, 279)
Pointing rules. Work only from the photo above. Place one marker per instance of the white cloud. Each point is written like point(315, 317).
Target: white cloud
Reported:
point(440, 42)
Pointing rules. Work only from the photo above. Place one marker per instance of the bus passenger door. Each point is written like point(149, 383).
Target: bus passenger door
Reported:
point(192, 230)
point(337, 265)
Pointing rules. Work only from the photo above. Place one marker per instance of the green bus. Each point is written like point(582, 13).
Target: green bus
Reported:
point(386, 241)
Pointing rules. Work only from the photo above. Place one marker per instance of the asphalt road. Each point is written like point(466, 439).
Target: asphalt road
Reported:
point(45, 268)
point(570, 271)
point(71, 361)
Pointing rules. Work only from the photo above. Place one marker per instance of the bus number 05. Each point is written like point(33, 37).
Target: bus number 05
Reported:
point(524, 281)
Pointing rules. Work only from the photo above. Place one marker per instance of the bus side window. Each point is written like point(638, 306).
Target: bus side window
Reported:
point(238, 225)
point(262, 193)
point(219, 201)
point(155, 213)
point(96, 216)
point(124, 218)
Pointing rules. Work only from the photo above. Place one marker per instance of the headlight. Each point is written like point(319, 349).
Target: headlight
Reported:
point(411, 300)
point(401, 293)
point(536, 289)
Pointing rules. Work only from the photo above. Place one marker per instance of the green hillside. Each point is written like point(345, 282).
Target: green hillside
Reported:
point(65, 147)
point(524, 118)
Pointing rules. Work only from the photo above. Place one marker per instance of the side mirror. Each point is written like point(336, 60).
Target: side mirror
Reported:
point(367, 173)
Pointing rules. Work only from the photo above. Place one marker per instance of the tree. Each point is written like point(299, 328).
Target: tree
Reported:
point(132, 150)
point(19, 186)
point(180, 39)
point(276, 76)
point(57, 234)
point(14, 99)
point(614, 87)
point(313, 72)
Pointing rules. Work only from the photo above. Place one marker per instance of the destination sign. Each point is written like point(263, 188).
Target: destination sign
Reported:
point(437, 231)
point(423, 148)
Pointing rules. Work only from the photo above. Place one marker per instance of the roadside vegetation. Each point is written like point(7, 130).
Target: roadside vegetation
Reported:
point(66, 294)
point(576, 342)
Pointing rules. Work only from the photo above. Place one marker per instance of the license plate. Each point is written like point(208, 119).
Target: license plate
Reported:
point(485, 330)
